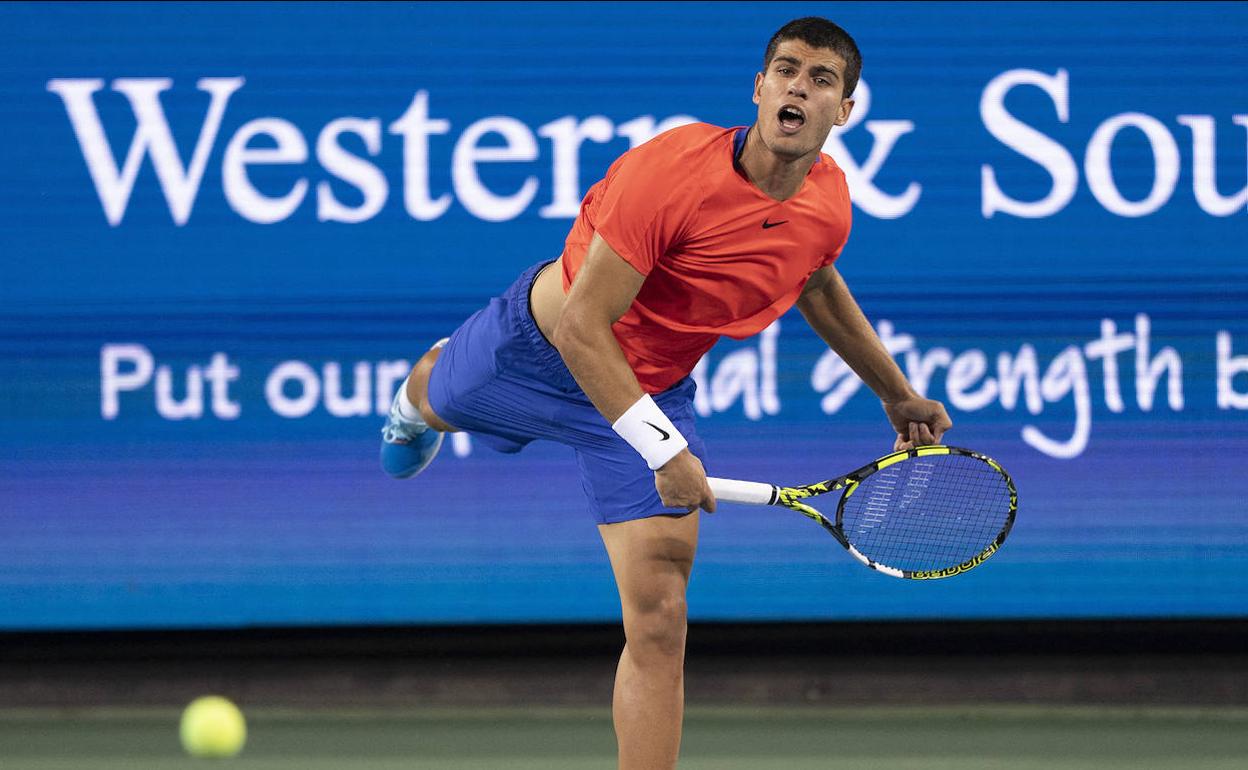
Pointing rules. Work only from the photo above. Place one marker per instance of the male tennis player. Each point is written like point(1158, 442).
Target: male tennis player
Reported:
point(698, 233)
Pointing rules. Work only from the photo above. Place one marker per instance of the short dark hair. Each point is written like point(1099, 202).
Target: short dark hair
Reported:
point(820, 33)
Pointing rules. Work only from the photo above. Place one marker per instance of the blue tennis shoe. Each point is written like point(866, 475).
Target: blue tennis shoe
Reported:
point(407, 446)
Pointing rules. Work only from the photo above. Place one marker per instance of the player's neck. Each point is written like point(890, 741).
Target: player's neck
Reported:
point(776, 176)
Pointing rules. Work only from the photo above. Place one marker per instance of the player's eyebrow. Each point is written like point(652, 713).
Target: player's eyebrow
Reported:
point(817, 69)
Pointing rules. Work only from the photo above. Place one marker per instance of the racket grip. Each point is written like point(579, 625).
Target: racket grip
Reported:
point(750, 492)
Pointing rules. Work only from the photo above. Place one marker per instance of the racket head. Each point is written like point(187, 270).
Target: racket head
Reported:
point(926, 513)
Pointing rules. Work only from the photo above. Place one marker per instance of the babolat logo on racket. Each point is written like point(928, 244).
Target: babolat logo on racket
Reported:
point(951, 571)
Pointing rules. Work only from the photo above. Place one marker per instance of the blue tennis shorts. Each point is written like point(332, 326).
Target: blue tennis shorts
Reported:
point(500, 380)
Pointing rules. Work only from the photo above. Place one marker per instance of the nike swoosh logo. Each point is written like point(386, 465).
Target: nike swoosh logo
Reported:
point(768, 225)
point(662, 432)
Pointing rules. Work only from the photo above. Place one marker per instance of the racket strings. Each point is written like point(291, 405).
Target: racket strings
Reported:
point(927, 513)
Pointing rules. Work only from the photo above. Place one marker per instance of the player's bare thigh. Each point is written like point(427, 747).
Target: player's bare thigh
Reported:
point(651, 557)
point(418, 391)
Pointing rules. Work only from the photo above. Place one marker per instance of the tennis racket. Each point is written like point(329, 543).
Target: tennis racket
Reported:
point(922, 513)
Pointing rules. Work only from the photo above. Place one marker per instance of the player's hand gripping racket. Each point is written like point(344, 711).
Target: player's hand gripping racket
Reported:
point(922, 513)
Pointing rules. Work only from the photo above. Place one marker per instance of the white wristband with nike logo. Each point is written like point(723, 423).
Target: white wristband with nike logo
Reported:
point(647, 429)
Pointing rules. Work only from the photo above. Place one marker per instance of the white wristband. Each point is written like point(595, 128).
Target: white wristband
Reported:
point(647, 429)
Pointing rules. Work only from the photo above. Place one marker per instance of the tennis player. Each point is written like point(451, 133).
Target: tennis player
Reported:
point(700, 232)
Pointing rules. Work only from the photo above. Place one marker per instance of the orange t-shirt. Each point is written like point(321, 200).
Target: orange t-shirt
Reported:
point(720, 257)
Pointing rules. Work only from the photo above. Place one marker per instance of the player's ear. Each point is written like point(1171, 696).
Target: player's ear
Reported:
point(758, 87)
point(842, 113)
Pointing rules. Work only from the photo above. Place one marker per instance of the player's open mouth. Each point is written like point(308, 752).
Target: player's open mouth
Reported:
point(791, 119)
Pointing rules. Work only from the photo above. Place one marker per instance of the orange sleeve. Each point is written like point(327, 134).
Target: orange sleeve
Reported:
point(646, 204)
point(830, 258)
point(846, 211)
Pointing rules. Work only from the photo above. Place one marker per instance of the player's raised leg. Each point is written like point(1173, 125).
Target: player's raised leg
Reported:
point(652, 559)
point(413, 433)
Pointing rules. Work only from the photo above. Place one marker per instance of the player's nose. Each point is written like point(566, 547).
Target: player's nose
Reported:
point(797, 87)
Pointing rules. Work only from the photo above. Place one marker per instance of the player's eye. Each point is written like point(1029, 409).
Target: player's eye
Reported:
point(822, 81)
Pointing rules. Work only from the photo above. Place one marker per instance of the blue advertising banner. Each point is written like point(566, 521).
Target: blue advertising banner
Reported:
point(229, 229)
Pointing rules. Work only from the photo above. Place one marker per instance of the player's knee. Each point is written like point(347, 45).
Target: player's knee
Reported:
point(418, 391)
point(657, 627)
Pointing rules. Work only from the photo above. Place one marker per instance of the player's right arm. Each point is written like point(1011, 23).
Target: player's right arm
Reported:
point(604, 288)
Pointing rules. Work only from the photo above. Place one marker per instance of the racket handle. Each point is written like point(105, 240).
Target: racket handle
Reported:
point(750, 492)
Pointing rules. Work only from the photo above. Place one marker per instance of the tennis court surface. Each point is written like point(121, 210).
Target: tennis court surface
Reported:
point(901, 738)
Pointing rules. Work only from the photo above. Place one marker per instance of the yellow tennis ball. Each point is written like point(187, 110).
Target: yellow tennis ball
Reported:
point(213, 728)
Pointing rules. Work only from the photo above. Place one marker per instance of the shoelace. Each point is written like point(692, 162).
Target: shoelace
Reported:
point(397, 427)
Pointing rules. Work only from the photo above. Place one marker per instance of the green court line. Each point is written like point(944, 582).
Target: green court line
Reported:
point(722, 738)
point(997, 712)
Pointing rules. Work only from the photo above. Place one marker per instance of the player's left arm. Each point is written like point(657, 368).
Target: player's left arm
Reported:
point(831, 310)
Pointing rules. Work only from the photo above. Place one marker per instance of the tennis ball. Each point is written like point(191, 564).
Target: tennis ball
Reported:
point(213, 727)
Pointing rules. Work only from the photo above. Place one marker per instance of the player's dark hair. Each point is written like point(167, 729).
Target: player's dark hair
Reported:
point(820, 33)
